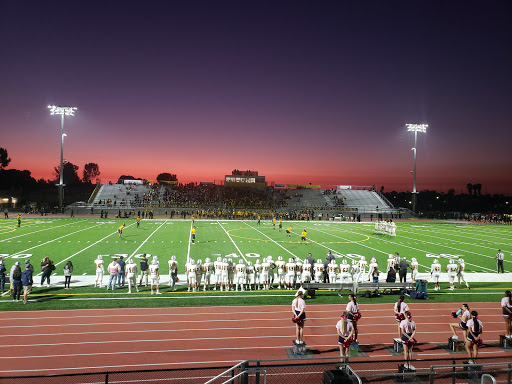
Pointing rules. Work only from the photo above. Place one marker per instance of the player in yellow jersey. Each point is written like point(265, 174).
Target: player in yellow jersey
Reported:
point(19, 220)
point(120, 230)
point(193, 235)
point(193, 219)
point(273, 223)
point(289, 231)
point(280, 225)
point(303, 237)
point(259, 219)
point(138, 222)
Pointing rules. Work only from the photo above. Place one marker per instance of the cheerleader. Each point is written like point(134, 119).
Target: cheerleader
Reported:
point(345, 331)
point(299, 315)
point(353, 313)
point(408, 327)
point(464, 316)
point(506, 306)
point(400, 308)
point(475, 330)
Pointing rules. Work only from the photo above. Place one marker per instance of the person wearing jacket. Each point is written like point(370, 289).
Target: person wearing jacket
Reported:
point(26, 281)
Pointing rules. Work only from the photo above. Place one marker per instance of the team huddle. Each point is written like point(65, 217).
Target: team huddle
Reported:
point(385, 227)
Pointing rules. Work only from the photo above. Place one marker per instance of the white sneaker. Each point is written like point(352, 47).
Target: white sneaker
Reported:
point(152, 293)
point(129, 291)
point(158, 293)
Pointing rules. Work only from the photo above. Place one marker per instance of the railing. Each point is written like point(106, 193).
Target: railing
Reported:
point(94, 193)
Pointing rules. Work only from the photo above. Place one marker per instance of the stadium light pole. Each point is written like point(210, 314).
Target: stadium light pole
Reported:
point(415, 128)
point(62, 111)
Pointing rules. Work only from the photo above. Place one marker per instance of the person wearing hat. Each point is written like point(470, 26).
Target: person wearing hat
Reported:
point(16, 282)
point(26, 281)
point(31, 268)
point(2, 275)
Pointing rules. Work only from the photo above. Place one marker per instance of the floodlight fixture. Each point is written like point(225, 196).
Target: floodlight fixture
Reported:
point(415, 128)
point(62, 111)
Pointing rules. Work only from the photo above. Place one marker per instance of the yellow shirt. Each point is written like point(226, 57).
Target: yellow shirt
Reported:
point(304, 233)
point(193, 231)
point(138, 219)
point(280, 222)
point(289, 228)
point(121, 227)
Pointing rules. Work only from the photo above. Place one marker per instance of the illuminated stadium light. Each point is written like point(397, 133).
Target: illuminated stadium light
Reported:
point(62, 111)
point(415, 128)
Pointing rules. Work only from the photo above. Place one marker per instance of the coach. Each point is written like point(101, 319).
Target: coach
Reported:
point(403, 270)
point(499, 260)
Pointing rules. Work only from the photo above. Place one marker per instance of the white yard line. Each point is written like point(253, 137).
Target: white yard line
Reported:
point(275, 242)
point(144, 242)
point(41, 230)
point(189, 240)
point(230, 238)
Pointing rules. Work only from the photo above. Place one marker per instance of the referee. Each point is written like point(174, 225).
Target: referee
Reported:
point(499, 261)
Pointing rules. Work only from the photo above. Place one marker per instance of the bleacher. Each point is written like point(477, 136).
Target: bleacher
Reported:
point(304, 198)
point(124, 196)
point(366, 201)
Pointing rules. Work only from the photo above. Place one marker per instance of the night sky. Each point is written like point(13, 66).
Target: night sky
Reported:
point(301, 91)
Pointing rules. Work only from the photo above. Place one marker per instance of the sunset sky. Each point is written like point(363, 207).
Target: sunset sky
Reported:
point(301, 91)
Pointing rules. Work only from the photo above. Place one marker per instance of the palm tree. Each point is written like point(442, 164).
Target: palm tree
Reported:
point(470, 189)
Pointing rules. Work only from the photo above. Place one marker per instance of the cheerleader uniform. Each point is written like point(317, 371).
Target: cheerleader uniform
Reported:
point(471, 326)
point(348, 330)
point(505, 302)
point(352, 308)
point(404, 307)
point(464, 320)
point(408, 326)
point(299, 305)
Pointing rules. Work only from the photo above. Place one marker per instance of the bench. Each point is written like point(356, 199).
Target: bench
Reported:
point(311, 287)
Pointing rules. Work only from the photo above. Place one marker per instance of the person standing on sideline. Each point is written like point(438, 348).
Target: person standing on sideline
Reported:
point(452, 269)
point(400, 308)
point(499, 261)
point(16, 282)
point(460, 273)
point(403, 270)
point(6, 213)
point(68, 271)
point(121, 275)
point(144, 270)
point(506, 306)
point(345, 332)
point(173, 272)
point(113, 269)
point(475, 330)
point(408, 328)
point(2, 276)
point(310, 260)
point(46, 268)
point(99, 271)
point(26, 281)
point(435, 272)
point(299, 316)
point(131, 274)
point(155, 276)
point(353, 313)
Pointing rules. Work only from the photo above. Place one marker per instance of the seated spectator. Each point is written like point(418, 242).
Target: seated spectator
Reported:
point(391, 278)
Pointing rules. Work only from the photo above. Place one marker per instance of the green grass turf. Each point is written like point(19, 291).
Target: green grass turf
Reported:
point(81, 240)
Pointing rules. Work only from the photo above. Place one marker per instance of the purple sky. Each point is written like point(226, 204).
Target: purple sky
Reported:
point(302, 91)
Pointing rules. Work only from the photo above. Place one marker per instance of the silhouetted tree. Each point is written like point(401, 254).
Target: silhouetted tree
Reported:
point(470, 188)
point(4, 158)
point(382, 189)
point(91, 172)
point(69, 172)
point(163, 177)
point(478, 189)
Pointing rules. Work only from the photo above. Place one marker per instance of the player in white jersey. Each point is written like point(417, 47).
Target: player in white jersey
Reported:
point(192, 275)
point(231, 274)
point(435, 272)
point(249, 273)
point(460, 272)
point(290, 273)
point(207, 271)
point(345, 271)
point(271, 272)
point(225, 275)
point(257, 273)
point(306, 272)
point(217, 265)
point(332, 268)
point(414, 269)
point(377, 226)
point(452, 269)
point(265, 268)
point(199, 273)
point(392, 229)
point(131, 275)
point(240, 275)
point(280, 263)
point(373, 264)
point(362, 266)
point(298, 272)
point(391, 262)
point(173, 272)
point(356, 275)
point(99, 271)
point(319, 271)
point(154, 276)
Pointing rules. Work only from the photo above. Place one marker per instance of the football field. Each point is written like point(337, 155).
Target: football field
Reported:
point(82, 240)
